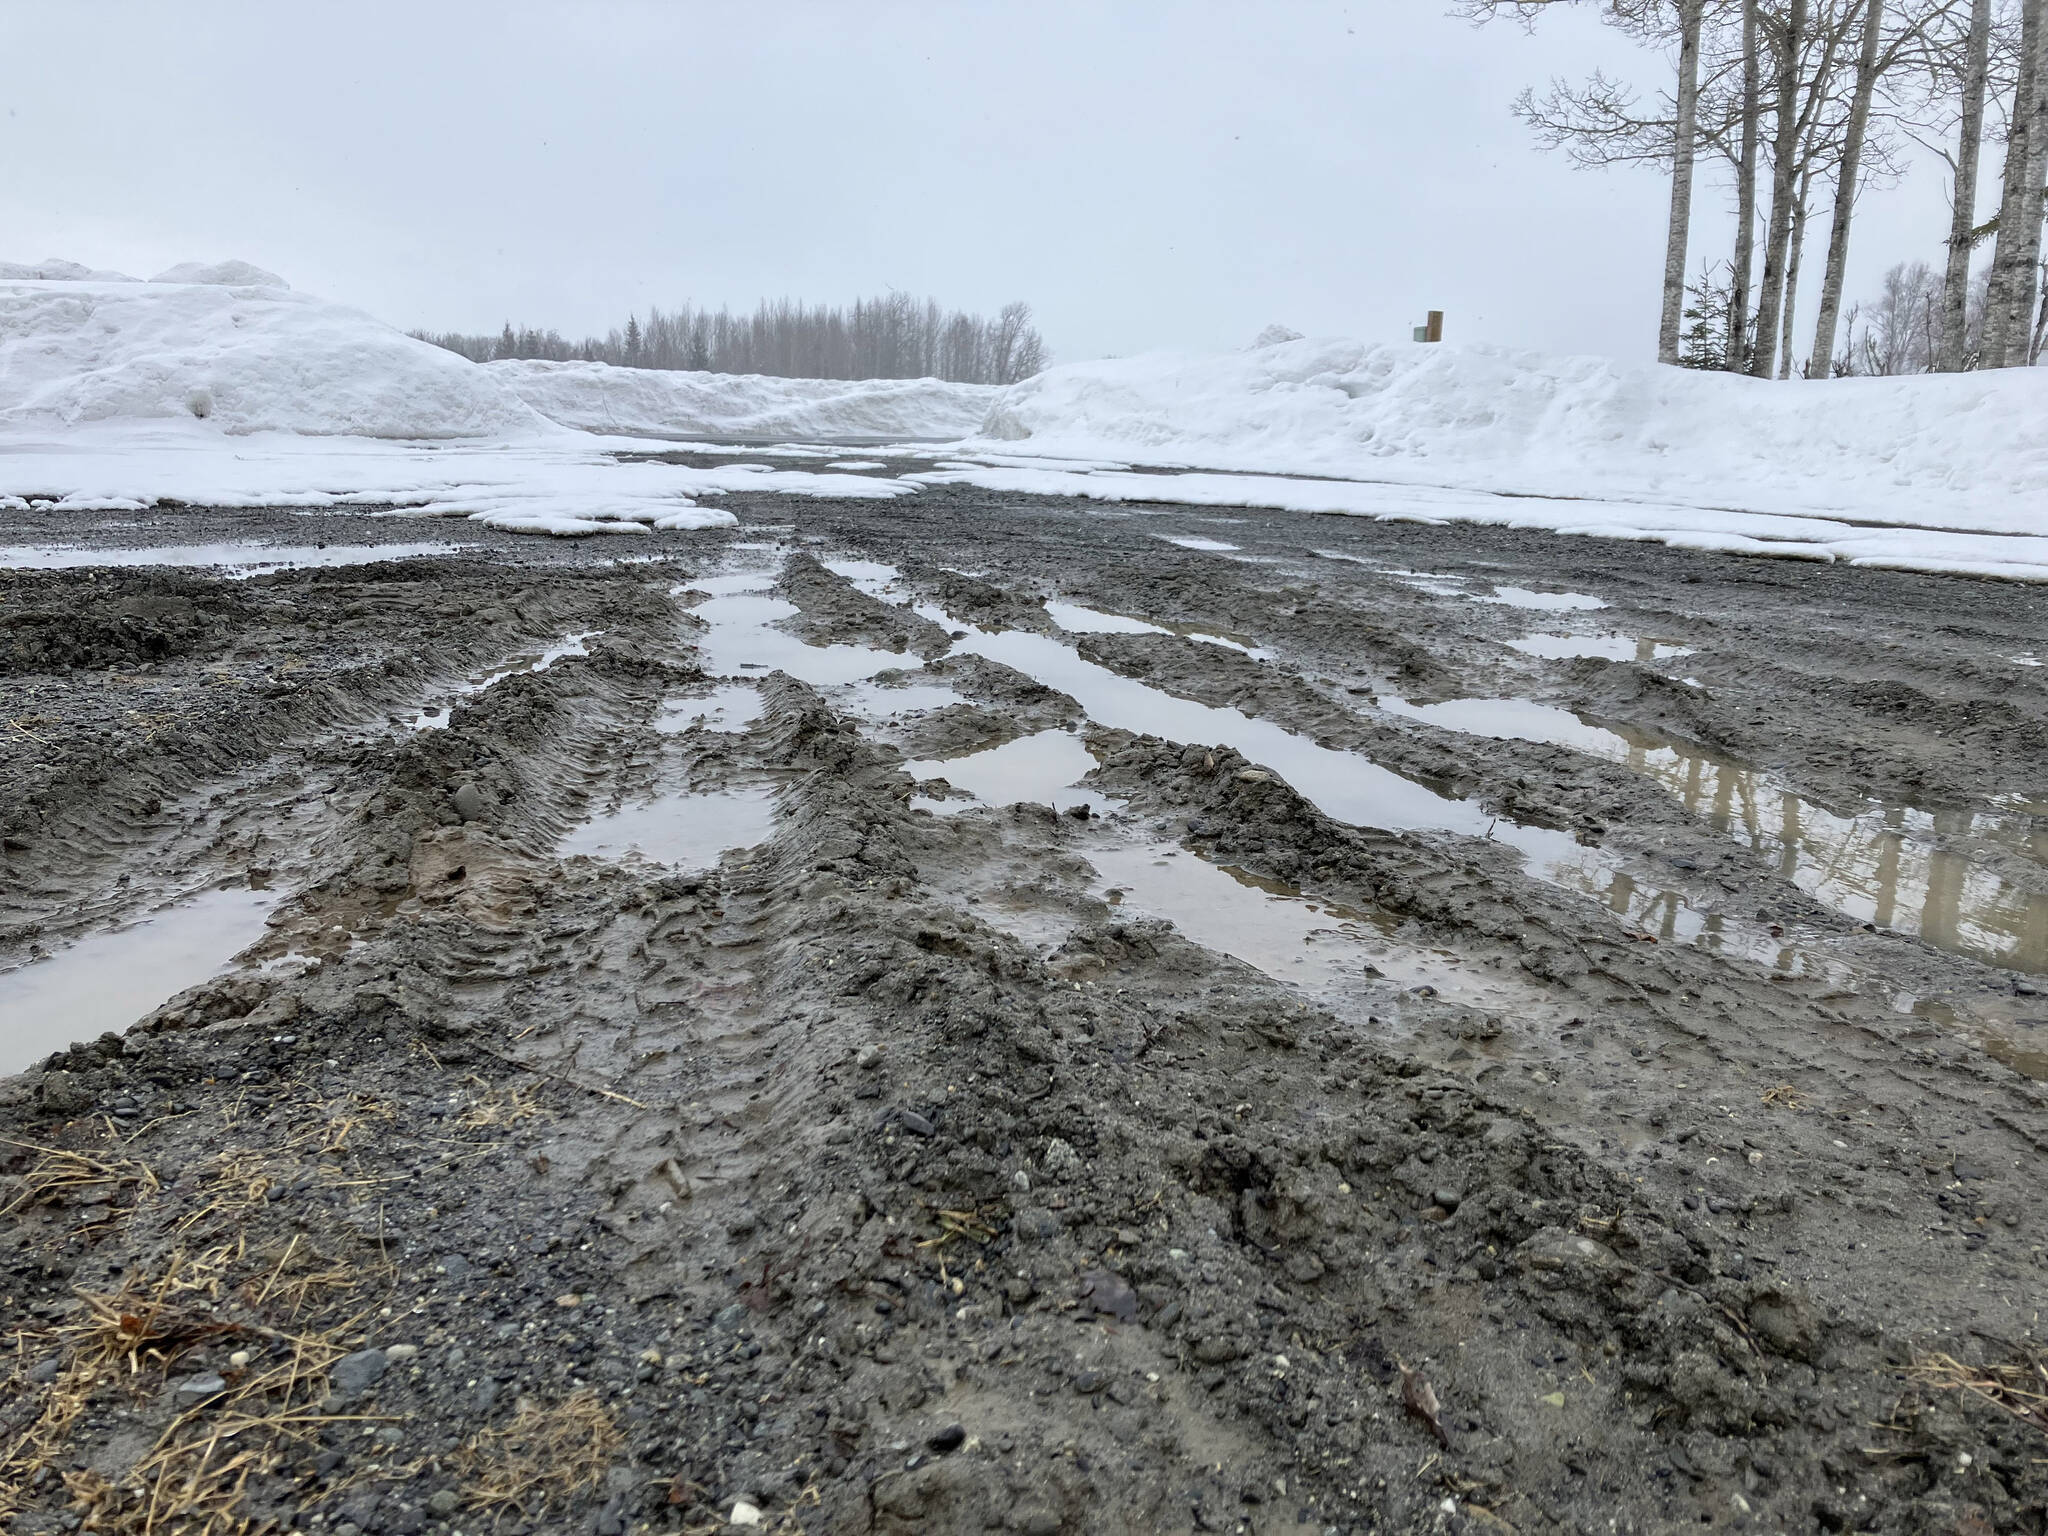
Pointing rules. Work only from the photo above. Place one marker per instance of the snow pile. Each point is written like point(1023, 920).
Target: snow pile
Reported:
point(56, 270)
point(660, 402)
point(229, 345)
point(221, 274)
point(1953, 449)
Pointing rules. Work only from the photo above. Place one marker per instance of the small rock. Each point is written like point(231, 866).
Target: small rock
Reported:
point(1447, 1198)
point(731, 1317)
point(744, 1513)
point(357, 1373)
point(45, 1369)
point(194, 1390)
point(469, 802)
point(949, 1439)
point(1061, 1160)
point(1090, 1381)
point(868, 1056)
point(442, 1502)
point(913, 1122)
point(1110, 1295)
point(397, 1352)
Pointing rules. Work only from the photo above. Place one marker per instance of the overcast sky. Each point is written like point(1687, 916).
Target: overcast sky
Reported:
point(1146, 175)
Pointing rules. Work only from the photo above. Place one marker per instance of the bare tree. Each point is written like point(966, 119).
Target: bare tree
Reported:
point(892, 337)
point(2005, 341)
point(1963, 198)
point(1684, 139)
point(1867, 68)
point(1745, 192)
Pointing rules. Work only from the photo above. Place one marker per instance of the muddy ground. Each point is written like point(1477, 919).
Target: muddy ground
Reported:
point(1120, 1131)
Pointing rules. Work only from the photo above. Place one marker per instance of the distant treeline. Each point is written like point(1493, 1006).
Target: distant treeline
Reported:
point(893, 337)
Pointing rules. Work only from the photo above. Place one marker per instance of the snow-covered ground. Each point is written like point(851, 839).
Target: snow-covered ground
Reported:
point(600, 398)
point(217, 384)
point(1581, 445)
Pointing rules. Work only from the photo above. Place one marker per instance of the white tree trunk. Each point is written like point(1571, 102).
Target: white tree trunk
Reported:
point(1845, 191)
point(1955, 289)
point(1797, 251)
point(1682, 154)
point(1784, 155)
point(1745, 195)
point(2012, 273)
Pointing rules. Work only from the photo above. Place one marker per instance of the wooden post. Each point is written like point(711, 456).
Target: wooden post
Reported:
point(1434, 331)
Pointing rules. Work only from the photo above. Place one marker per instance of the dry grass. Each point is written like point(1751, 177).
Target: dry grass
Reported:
point(1784, 1096)
point(58, 1174)
point(2019, 1388)
point(545, 1456)
point(500, 1107)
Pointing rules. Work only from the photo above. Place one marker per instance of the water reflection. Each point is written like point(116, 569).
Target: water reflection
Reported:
point(1898, 866)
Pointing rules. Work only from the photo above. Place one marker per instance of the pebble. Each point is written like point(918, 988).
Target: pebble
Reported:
point(400, 1351)
point(357, 1373)
point(442, 1502)
point(469, 802)
point(951, 1438)
point(868, 1056)
point(744, 1513)
point(194, 1390)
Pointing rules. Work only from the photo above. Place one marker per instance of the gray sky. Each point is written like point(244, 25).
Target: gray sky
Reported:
point(1146, 175)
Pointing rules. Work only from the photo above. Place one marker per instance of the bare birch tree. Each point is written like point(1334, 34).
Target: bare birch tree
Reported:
point(1955, 290)
point(1846, 177)
point(1684, 139)
point(1744, 262)
point(1790, 37)
point(2005, 340)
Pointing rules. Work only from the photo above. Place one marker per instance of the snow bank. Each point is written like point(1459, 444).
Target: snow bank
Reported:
point(201, 344)
point(659, 402)
point(58, 271)
point(1958, 450)
point(222, 274)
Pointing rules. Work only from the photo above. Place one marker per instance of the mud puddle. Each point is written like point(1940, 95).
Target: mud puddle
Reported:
point(690, 830)
point(1343, 785)
point(1077, 620)
point(1042, 769)
point(110, 979)
point(435, 717)
point(1323, 947)
point(1606, 647)
point(1896, 866)
point(729, 709)
point(1542, 602)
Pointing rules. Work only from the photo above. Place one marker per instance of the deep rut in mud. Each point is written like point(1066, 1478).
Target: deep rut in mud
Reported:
point(998, 1014)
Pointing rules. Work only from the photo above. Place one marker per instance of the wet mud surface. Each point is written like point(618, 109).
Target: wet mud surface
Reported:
point(970, 1014)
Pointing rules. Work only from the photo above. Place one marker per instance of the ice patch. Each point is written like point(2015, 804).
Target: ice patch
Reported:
point(239, 559)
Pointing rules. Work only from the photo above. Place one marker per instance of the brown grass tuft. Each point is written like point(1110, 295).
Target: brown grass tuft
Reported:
point(546, 1454)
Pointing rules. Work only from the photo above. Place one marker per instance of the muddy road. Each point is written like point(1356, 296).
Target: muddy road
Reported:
point(992, 1013)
